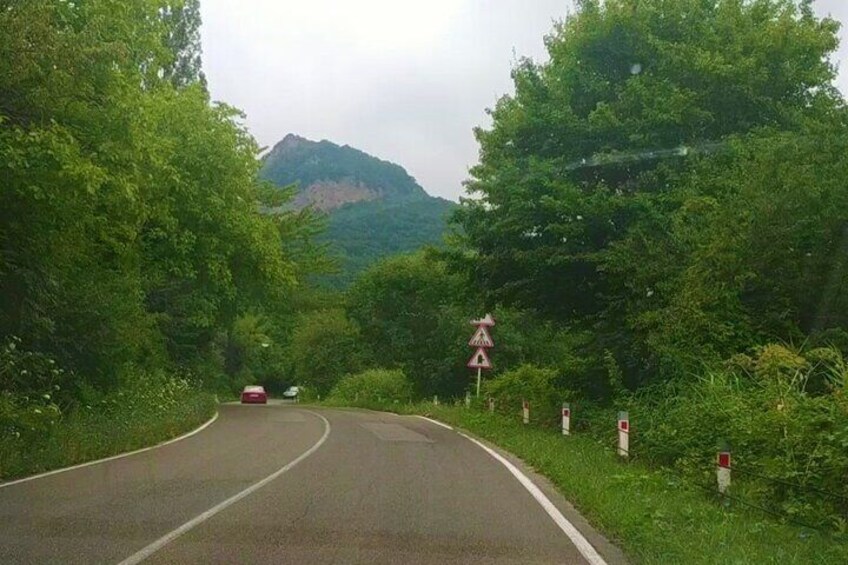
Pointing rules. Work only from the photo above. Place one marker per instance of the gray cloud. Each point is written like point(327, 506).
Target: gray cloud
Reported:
point(405, 81)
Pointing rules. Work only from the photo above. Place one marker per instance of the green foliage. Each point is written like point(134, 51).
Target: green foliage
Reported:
point(375, 385)
point(325, 346)
point(522, 337)
point(775, 426)
point(182, 36)
point(413, 312)
point(540, 387)
point(27, 374)
point(412, 315)
point(361, 233)
point(130, 230)
point(32, 389)
point(146, 411)
point(133, 242)
point(754, 257)
point(663, 183)
point(664, 194)
point(248, 356)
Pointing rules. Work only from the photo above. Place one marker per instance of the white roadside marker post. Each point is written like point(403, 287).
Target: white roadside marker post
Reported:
point(468, 399)
point(723, 471)
point(435, 400)
point(566, 419)
point(525, 411)
point(491, 404)
point(623, 435)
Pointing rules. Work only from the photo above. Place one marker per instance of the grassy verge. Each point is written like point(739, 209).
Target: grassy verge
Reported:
point(90, 434)
point(650, 514)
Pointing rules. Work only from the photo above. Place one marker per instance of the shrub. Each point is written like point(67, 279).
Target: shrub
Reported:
point(536, 385)
point(774, 425)
point(30, 392)
point(375, 385)
point(147, 408)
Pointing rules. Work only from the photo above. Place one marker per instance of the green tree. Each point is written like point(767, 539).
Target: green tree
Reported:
point(182, 37)
point(593, 153)
point(69, 272)
point(759, 245)
point(325, 346)
point(132, 231)
point(413, 315)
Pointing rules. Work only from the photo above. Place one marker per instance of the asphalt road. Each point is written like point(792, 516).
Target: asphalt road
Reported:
point(285, 484)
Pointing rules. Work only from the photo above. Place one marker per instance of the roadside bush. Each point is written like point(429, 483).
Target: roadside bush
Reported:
point(539, 386)
point(146, 409)
point(375, 385)
point(775, 427)
point(30, 391)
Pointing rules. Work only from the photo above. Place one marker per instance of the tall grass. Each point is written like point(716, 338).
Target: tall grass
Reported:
point(140, 416)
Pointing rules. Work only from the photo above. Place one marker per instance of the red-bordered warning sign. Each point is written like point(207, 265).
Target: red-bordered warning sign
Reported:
point(481, 338)
point(480, 360)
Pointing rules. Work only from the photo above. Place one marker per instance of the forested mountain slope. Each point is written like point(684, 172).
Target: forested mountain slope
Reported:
point(374, 207)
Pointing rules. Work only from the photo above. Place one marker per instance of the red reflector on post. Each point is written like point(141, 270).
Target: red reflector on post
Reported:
point(566, 412)
point(724, 459)
point(623, 425)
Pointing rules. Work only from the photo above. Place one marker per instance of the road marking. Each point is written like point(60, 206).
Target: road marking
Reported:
point(146, 552)
point(434, 421)
point(113, 457)
point(580, 542)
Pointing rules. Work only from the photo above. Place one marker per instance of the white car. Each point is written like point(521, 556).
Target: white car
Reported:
point(291, 392)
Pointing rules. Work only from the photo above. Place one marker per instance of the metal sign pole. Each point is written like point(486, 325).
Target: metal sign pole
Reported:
point(478, 381)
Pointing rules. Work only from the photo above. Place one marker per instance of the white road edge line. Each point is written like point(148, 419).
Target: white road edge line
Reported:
point(580, 542)
point(208, 423)
point(432, 421)
point(149, 550)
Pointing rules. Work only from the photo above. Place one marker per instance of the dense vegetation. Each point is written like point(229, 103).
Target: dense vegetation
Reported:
point(360, 234)
point(375, 385)
point(669, 261)
point(133, 257)
point(658, 224)
point(397, 217)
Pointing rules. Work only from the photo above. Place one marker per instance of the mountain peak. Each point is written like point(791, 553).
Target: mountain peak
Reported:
point(290, 141)
point(330, 175)
point(374, 207)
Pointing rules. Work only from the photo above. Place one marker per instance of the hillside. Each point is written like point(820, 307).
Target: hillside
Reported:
point(374, 207)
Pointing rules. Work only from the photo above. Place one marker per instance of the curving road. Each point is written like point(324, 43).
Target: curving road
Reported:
point(285, 484)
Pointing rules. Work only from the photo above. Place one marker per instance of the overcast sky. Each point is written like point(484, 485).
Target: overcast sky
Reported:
point(404, 80)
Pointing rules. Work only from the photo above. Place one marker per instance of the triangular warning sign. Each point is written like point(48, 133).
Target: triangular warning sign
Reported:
point(481, 338)
point(480, 360)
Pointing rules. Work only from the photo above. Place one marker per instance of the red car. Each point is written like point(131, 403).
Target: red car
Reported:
point(254, 395)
